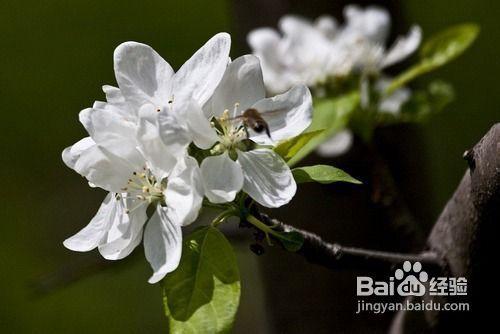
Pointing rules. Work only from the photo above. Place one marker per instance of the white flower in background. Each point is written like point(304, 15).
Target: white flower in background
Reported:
point(304, 54)
point(372, 23)
point(336, 145)
point(311, 52)
point(340, 143)
point(238, 163)
point(126, 155)
point(365, 35)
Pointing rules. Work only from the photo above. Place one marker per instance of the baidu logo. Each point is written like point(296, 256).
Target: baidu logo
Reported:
point(412, 278)
point(409, 280)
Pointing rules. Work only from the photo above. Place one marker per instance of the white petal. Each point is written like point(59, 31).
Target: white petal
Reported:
point(162, 244)
point(393, 103)
point(242, 83)
point(204, 135)
point(115, 98)
point(142, 74)
point(305, 48)
point(71, 154)
point(84, 118)
point(104, 169)
point(222, 178)
point(268, 179)
point(294, 25)
point(287, 114)
point(91, 235)
point(126, 231)
point(113, 94)
point(265, 43)
point(403, 47)
point(327, 25)
point(160, 158)
point(263, 39)
point(200, 75)
point(172, 126)
point(372, 23)
point(114, 133)
point(184, 193)
point(336, 145)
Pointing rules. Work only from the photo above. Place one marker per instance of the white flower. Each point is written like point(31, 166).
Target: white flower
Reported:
point(148, 82)
point(239, 164)
point(126, 155)
point(372, 23)
point(365, 35)
point(138, 173)
point(303, 55)
point(312, 52)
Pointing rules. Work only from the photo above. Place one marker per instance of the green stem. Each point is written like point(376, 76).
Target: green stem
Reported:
point(262, 226)
point(208, 204)
point(223, 216)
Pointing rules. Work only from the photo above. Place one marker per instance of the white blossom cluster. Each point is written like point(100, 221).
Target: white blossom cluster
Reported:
point(141, 143)
point(315, 53)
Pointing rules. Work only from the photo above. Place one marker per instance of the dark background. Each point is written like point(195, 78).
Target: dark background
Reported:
point(54, 57)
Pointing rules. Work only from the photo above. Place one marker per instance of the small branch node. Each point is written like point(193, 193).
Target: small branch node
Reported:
point(470, 158)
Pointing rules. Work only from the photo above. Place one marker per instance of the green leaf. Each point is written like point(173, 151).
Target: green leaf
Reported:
point(288, 148)
point(202, 294)
point(449, 43)
point(330, 115)
point(292, 241)
point(322, 174)
point(333, 113)
point(437, 51)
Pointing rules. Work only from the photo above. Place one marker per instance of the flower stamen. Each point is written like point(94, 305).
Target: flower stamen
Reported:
point(144, 187)
point(231, 131)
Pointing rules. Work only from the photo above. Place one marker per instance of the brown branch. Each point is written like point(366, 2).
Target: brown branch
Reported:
point(464, 237)
point(337, 257)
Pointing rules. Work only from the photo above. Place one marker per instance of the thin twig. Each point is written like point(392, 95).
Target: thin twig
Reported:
point(337, 257)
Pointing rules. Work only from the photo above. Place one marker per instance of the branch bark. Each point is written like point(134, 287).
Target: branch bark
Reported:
point(458, 244)
point(337, 257)
point(463, 238)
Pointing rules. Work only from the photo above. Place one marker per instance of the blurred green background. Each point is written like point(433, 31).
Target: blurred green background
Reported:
point(55, 55)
